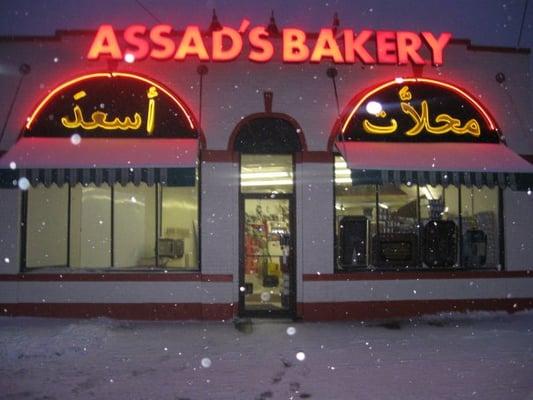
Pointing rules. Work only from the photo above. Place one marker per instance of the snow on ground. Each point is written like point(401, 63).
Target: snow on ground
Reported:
point(453, 356)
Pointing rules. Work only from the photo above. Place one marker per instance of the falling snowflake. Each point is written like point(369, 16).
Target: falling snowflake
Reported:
point(23, 184)
point(291, 330)
point(75, 139)
point(129, 58)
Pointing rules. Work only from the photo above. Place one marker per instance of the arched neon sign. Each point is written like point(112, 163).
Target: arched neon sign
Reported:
point(417, 109)
point(111, 104)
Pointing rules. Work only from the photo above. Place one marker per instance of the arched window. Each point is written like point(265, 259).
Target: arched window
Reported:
point(267, 133)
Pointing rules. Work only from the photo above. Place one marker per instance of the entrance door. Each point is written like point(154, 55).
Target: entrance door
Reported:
point(267, 273)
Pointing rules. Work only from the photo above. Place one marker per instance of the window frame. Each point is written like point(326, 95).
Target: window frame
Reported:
point(420, 266)
point(156, 268)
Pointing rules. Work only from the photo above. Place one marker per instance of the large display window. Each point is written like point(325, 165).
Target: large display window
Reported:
point(414, 226)
point(96, 227)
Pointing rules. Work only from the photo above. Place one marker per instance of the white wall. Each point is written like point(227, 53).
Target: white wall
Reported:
point(420, 289)
point(220, 220)
point(315, 210)
point(10, 200)
point(518, 223)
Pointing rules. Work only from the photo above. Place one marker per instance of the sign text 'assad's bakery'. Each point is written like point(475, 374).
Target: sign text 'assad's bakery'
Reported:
point(162, 42)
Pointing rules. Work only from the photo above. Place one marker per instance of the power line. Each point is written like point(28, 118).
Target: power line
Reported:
point(522, 24)
point(151, 14)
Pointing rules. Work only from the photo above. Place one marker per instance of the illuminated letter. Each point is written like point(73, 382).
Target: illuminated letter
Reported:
point(326, 46)
point(219, 54)
point(105, 43)
point(159, 37)
point(408, 45)
point(356, 45)
point(133, 36)
point(420, 120)
point(78, 119)
point(294, 47)
point(151, 94)
point(369, 127)
point(258, 40)
point(437, 45)
point(192, 44)
point(386, 47)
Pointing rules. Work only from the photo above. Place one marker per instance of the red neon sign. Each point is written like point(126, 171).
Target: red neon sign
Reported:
point(161, 42)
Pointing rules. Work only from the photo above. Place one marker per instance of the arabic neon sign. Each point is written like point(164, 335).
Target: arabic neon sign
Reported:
point(114, 104)
point(162, 42)
point(417, 109)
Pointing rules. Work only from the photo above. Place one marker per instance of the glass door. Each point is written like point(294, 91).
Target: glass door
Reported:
point(267, 273)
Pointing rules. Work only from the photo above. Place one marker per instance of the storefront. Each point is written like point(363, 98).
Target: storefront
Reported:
point(157, 174)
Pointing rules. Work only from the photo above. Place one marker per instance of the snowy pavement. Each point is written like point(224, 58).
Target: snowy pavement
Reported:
point(476, 356)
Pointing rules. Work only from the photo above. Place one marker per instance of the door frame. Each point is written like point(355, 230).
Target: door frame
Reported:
point(291, 311)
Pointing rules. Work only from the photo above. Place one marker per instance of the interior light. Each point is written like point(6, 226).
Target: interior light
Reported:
point(343, 172)
point(341, 164)
point(256, 175)
point(427, 193)
point(382, 205)
point(343, 180)
point(273, 182)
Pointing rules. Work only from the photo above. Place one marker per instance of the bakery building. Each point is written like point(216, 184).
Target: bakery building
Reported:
point(174, 173)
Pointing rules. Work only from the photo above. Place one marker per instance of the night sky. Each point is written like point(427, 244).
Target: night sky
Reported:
point(487, 22)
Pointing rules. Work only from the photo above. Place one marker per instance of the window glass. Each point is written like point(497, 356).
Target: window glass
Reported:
point(400, 226)
point(178, 233)
point(480, 208)
point(396, 243)
point(112, 227)
point(355, 224)
point(266, 173)
point(90, 226)
point(134, 221)
point(439, 221)
point(47, 227)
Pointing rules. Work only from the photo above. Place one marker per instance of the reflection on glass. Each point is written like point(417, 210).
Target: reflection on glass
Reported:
point(397, 208)
point(396, 245)
point(355, 224)
point(266, 173)
point(480, 209)
point(46, 227)
point(417, 225)
point(439, 220)
point(90, 226)
point(266, 254)
point(178, 231)
point(134, 226)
